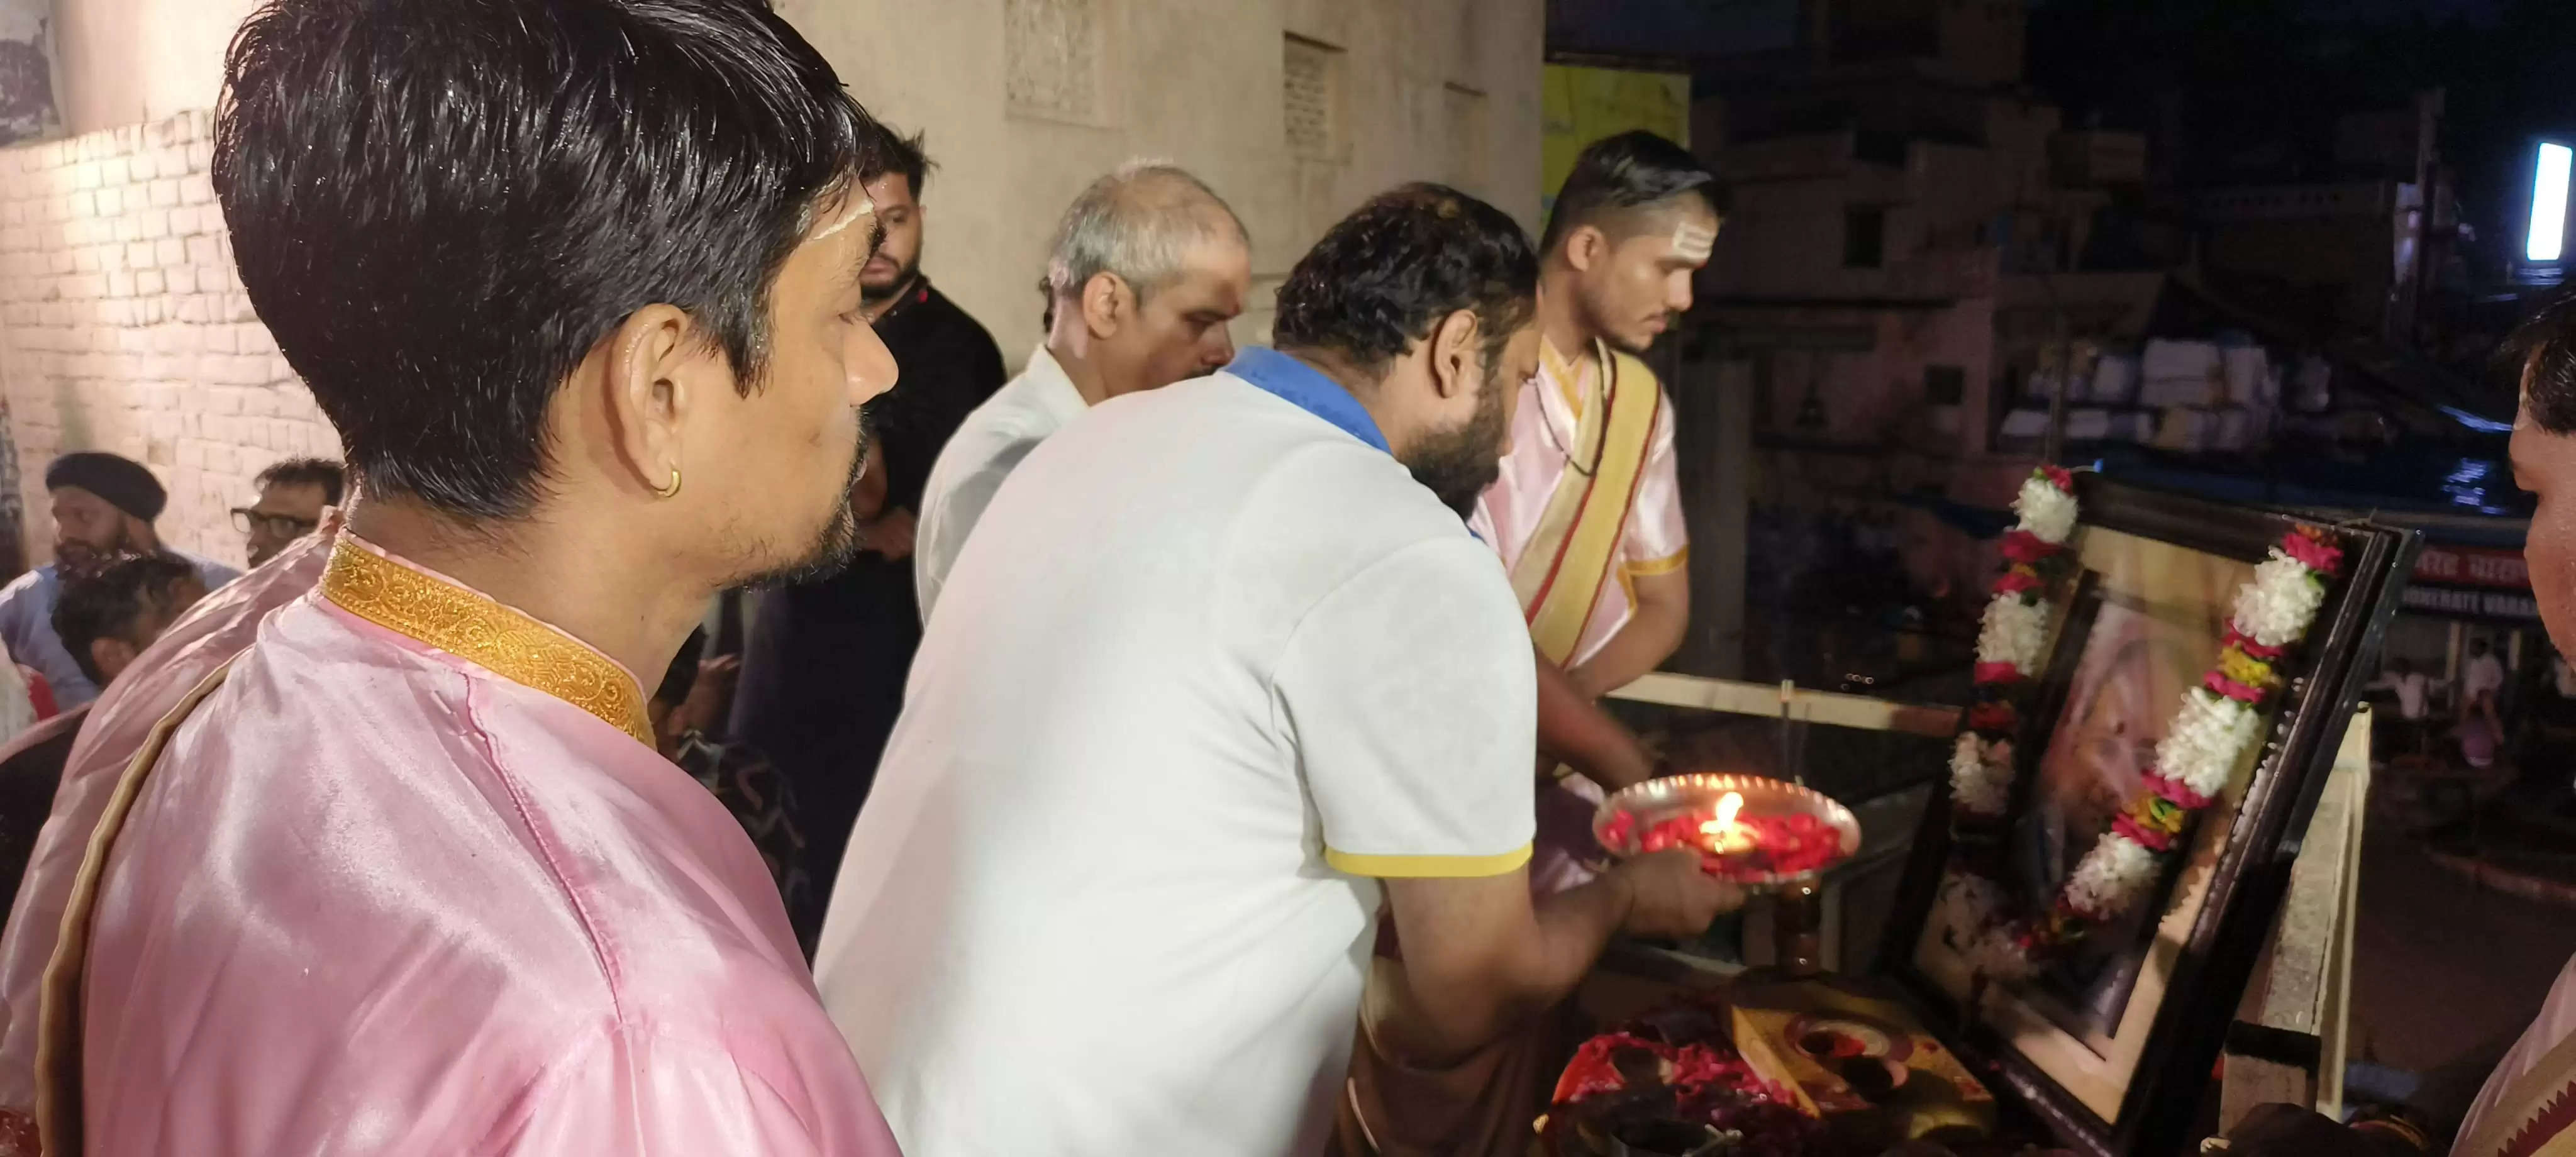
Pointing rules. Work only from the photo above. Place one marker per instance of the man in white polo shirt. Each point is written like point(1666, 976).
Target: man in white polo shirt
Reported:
point(1149, 266)
point(1237, 673)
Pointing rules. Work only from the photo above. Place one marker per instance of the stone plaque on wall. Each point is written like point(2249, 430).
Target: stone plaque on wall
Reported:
point(1052, 53)
point(1309, 92)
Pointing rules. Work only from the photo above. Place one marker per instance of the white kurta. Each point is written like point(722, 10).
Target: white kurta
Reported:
point(983, 452)
point(1211, 667)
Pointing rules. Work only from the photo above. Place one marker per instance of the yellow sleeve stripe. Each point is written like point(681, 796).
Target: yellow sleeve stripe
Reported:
point(1427, 867)
point(1665, 565)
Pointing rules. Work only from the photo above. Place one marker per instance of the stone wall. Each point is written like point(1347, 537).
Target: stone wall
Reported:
point(123, 327)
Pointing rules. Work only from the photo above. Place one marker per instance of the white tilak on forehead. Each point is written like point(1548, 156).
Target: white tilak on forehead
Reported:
point(1693, 241)
point(858, 207)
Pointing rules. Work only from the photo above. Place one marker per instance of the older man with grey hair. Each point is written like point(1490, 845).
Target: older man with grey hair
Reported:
point(1148, 267)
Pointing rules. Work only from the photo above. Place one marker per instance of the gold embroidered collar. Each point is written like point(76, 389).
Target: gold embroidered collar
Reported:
point(476, 628)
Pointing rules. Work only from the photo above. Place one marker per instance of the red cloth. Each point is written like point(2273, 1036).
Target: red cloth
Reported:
point(40, 693)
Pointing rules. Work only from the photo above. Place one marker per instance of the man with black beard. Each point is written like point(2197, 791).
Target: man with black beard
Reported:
point(104, 507)
point(823, 670)
point(1236, 679)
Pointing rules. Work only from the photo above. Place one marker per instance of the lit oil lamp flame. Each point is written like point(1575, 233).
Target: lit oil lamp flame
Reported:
point(1725, 836)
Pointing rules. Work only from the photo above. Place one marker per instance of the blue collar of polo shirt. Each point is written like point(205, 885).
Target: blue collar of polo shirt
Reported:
point(1306, 388)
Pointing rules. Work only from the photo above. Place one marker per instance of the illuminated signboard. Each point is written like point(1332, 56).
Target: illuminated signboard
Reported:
point(2466, 603)
point(2472, 566)
point(2548, 236)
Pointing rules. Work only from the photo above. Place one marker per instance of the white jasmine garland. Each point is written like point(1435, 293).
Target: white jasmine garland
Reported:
point(2047, 512)
point(1999, 956)
point(2276, 608)
point(1968, 903)
point(2112, 877)
point(1971, 908)
point(2206, 742)
point(2012, 632)
point(1981, 773)
point(2208, 736)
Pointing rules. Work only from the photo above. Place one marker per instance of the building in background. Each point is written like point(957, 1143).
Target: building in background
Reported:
point(26, 71)
point(123, 328)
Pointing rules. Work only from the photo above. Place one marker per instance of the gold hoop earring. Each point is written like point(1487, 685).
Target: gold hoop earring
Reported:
point(671, 490)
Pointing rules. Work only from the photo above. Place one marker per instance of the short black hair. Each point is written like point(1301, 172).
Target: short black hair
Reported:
point(897, 153)
point(321, 472)
point(2543, 351)
point(107, 600)
point(1632, 170)
point(1384, 277)
point(440, 207)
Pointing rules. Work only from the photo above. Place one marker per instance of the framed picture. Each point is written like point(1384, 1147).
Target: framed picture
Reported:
point(2110, 1042)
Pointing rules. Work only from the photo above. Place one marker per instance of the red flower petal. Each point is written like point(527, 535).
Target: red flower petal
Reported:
point(2023, 546)
point(2309, 547)
point(2153, 841)
point(2245, 642)
point(2231, 688)
point(2175, 790)
point(1998, 673)
point(1991, 717)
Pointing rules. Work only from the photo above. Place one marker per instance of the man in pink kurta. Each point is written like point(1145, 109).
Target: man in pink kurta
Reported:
point(208, 635)
point(576, 281)
point(1587, 513)
point(512, 927)
point(1654, 542)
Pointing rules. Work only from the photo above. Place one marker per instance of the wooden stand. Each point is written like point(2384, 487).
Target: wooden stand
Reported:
point(2288, 1042)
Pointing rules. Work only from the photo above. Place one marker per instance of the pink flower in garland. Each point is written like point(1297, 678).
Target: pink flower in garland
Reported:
point(2219, 682)
point(2150, 840)
point(2177, 791)
point(2024, 547)
point(2245, 642)
point(1998, 673)
point(2308, 545)
point(2061, 476)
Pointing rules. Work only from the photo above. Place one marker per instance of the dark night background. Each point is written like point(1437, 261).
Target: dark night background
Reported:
point(2259, 82)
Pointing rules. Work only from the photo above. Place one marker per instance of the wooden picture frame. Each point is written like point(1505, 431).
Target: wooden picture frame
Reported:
point(2134, 1083)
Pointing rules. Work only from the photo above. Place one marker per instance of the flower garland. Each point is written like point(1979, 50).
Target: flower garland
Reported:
point(2218, 721)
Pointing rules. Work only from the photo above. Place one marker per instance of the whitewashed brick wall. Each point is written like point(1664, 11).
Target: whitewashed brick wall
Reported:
point(123, 327)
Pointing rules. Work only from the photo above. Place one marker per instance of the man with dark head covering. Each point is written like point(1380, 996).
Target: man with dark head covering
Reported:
point(103, 507)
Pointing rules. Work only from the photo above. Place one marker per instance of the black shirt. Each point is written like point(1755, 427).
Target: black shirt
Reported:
point(824, 668)
point(31, 767)
point(948, 365)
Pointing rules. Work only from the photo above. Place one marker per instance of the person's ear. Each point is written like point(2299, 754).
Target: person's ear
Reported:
point(111, 656)
point(1107, 304)
point(658, 366)
point(1585, 247)
point(1454, 355)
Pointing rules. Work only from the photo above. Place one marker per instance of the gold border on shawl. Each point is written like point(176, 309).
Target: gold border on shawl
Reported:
point(1586, 517)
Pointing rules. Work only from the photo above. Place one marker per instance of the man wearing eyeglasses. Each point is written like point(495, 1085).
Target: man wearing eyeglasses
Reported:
point(292, 497)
